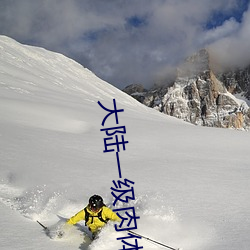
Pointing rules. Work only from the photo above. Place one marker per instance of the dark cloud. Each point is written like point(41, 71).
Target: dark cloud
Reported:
point(125, 42)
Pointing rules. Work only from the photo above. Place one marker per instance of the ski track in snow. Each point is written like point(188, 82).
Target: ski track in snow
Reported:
point(31, 204)
point(40, 204)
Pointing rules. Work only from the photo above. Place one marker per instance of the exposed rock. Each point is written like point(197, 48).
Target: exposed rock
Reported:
point(201, 97)
point(237, 81)
point(137, 91)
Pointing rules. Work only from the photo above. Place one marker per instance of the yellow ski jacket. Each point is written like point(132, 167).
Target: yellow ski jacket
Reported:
point(94, 223)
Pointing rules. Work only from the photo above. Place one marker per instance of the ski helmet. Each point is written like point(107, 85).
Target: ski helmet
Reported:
point(95, 202)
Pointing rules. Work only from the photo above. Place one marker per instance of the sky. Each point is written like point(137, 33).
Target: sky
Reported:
point(132, 41)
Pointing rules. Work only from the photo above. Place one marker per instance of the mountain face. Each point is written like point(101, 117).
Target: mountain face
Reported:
point(237, 81)
point(200, 96)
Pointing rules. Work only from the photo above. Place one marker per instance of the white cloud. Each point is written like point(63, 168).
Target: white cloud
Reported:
point(233, 50)
point(228, 28)
point(97, 32)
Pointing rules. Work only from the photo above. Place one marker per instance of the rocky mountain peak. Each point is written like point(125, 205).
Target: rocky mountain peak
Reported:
point(200, 96)
point(196, 64)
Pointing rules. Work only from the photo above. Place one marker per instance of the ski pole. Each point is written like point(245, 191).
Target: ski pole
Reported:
point(159, 243)
point(45, 228)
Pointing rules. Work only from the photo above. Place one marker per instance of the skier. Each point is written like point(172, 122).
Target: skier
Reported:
point(95, 214)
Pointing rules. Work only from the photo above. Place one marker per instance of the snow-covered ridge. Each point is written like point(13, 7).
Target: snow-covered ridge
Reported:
point(35, 68)
point(33, 74)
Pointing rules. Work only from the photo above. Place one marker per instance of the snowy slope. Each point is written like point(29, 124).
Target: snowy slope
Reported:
point(192, 184)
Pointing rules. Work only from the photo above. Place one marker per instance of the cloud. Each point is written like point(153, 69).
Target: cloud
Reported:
point(233, 49)
point(228, 28)
point(121, 41)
